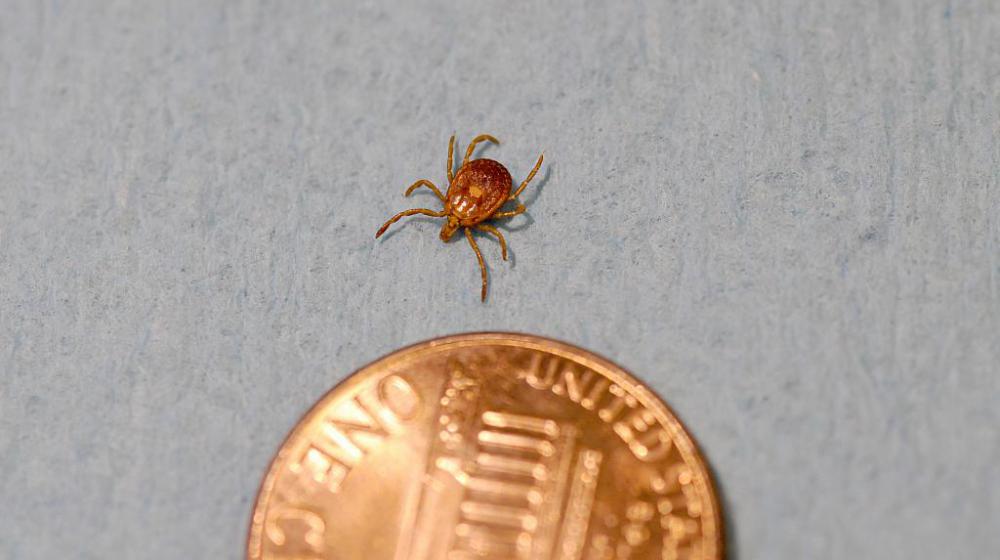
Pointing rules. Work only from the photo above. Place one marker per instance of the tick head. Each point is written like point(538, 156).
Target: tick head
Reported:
point(448, 229)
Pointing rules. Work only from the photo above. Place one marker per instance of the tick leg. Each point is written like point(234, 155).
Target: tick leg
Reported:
point(530, 177)
point(404, 214)
point(477, 140)
point(479, 256)
point(451, 159)
point(519, 210)
point(520, 207)
point(424, 183)
point(490, 229)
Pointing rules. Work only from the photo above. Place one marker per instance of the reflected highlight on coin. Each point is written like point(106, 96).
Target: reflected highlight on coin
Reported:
point(488, 446)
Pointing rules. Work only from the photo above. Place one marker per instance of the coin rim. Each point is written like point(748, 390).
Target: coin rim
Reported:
point(617, 374)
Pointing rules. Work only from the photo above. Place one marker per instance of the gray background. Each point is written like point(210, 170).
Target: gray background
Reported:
point(785, 216)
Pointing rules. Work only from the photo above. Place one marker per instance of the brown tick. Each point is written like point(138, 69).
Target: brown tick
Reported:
point(475, 194)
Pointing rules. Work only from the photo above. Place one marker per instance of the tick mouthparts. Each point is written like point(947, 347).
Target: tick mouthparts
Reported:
point(449, 228)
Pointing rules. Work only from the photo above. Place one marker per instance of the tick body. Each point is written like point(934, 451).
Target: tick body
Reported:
point(476, 193)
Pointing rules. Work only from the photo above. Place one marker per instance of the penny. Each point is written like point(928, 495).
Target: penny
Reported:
point(488, 446)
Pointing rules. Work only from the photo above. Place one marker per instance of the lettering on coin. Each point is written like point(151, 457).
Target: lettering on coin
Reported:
point(635, 425)
point(295, 532)
point(490, 447)
point(354, 427)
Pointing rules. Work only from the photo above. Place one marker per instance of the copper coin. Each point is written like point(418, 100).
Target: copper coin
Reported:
point(488, 446)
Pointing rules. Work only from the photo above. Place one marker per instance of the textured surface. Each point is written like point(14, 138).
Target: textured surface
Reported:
point(783, 215)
